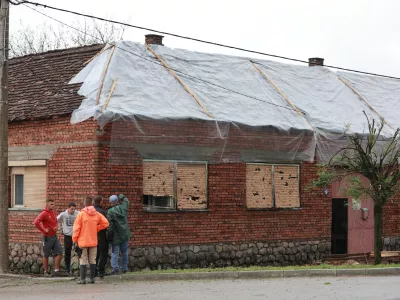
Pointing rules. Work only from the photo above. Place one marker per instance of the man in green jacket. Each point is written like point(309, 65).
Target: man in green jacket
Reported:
point(118, 232)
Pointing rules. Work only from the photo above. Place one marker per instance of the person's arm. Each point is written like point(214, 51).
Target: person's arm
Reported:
point(60, 218)
point(110, 229)
point(124, 200)
point(77, 228)
point(103, 223)
point(39, 223)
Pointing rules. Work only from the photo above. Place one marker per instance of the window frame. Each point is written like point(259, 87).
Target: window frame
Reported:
point(174, 200)
point(14, 191)
point(273, 186)
point(19, 168)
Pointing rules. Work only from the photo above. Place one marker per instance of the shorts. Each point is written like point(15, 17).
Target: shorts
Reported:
point(51, 244)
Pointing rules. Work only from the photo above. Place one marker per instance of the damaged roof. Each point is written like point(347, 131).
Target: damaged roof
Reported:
point(38, 83)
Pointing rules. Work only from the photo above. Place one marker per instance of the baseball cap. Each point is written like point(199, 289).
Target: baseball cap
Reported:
point(113, 199)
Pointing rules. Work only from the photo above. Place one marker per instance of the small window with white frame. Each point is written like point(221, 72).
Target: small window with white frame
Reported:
point(174, 185)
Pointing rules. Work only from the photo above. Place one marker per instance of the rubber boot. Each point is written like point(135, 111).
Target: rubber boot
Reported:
point(68, 269)
point(83, 274)
point(92, 273)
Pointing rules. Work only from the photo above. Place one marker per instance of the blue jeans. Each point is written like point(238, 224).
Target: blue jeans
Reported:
point(124, 256)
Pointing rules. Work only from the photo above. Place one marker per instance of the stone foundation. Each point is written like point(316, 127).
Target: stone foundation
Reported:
point(391, 243)
point(28, 258)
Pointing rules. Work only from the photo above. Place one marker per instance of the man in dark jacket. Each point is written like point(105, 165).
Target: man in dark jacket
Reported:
point(118, 232)
point(102, 247)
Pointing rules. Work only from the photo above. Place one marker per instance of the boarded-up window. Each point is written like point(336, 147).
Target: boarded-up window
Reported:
point(286, 186)
point(192, 186)
point(259, 186)
point(174, 185)
point(158, 185)
point(28, 187)
point(270, 186)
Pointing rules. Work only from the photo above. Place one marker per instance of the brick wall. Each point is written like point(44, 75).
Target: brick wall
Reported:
point(50, 131)
point(84, 164)
point(70, 171)
point(227, 218)
point(391, 213)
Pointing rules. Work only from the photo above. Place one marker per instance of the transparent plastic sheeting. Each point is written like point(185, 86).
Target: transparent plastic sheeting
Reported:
point(249, 117)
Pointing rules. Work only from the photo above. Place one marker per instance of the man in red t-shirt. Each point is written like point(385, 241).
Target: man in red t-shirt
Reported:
point(47, 223)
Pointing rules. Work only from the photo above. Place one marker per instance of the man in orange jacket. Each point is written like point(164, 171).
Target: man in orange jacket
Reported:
point(86, 226)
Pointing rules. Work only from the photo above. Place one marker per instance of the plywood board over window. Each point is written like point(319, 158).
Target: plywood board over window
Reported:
point(174, 185)
point(158, 178)
point(259, 186)
point(35, 187)
point(191, 186)
point(286, 186)
point(272, 186)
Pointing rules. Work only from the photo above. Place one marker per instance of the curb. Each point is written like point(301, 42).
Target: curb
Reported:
point(254, 274)
point(28, 277)
point(262, 274)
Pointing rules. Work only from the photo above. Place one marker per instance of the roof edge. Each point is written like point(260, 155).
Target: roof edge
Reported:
point(57, 52)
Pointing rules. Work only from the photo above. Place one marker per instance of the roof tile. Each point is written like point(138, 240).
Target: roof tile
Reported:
point(38, 83)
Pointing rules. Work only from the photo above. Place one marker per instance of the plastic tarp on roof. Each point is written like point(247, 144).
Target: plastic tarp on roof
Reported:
point(331, 107)
point(383, 94)
point(243, 112)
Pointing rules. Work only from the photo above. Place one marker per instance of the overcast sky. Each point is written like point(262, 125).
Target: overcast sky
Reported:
point(357, 34)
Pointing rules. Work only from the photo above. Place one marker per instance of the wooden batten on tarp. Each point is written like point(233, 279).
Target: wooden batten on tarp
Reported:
point(109, 95)
point(179, 80)
point(364, 100)
point(104, 76)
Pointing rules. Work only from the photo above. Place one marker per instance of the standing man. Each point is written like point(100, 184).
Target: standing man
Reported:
point(87, 224)
point(118, 232)
point(67, 219)
point(102, 247)
point(47, 223)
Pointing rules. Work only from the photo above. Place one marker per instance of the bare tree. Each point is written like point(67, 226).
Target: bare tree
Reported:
point(376, 159)
point(45, 37)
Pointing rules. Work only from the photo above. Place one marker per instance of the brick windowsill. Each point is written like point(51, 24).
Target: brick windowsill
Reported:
point(276, 209)
point(174, 210)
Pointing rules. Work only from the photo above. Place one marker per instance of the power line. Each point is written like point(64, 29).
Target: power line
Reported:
point(177, 71)
point(192, 39)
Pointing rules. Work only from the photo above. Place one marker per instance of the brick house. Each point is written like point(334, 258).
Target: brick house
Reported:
point(214, 210)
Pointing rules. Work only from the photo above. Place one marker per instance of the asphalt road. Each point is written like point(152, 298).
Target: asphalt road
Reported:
point(382, 288)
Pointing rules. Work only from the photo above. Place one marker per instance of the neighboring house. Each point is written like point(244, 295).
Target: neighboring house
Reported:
point(197, 198)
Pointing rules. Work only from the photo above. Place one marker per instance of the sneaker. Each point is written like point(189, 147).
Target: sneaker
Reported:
point(91, 281)
point(59, 274)
point(124, 271)
point(80, 281)
point(47, 274)
point(114, 272)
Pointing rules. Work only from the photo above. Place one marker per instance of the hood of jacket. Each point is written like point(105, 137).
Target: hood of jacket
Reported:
point(49, 211)
point(90, 210)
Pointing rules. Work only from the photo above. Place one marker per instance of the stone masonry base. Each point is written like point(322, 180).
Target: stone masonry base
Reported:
point(391, 243)
point(27, 258)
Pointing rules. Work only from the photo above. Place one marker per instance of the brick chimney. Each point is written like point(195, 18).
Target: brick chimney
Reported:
point(154, 39)
point(315, 61)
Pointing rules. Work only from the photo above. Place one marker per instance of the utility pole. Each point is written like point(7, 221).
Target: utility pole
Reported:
point(4, 19)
